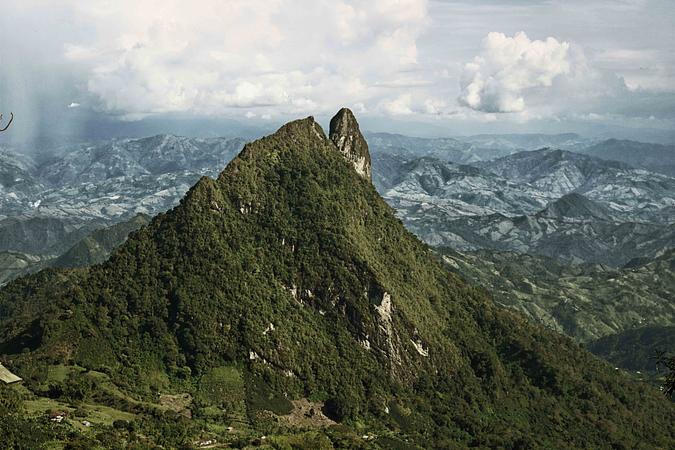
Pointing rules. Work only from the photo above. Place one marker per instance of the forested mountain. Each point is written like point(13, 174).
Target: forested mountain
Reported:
point(285, 299)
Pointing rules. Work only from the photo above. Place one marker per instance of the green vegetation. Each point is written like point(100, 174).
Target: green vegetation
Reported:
point(96, 247)
point(221, 386)
point(92, 249)
point(288, 277)
point(636, 350)
point(586, 302)
point(668, 363)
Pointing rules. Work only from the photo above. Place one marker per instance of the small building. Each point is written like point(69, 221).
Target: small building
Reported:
point(8, 377)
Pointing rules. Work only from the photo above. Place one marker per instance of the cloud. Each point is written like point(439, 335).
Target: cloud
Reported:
point(165, 56)
point(386, 59)
point(496, 81)
point(399, 106)
point(645, 69)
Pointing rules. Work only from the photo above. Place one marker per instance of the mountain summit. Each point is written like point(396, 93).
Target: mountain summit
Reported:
point(286, 296)
point(576, 206)
point(345, 134)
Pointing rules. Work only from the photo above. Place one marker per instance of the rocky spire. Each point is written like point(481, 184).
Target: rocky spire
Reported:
point(345, 134)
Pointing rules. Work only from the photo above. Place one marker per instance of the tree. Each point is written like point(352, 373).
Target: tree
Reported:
point(669, 363)
point(11, 117)
point(344, 406)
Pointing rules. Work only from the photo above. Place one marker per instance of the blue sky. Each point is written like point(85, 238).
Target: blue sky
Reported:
point(458, 66)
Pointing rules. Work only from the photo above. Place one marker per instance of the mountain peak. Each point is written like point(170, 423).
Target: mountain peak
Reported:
point(300, 127)
point(346, 135)
point(574, 205)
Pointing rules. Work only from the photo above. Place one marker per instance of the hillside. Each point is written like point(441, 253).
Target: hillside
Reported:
point(570, 240)
point(94, 248)
point(636, 349)
point(287, 281)
point(14, 264)
point(586, 302)
point(653, 157)
point(45, 236)
point(97, 246)
point(576, 206)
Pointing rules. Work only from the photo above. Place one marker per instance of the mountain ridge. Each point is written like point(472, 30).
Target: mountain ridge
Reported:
point(574, 205)
point(534, 202)
point(653, 157)
point(292, 274)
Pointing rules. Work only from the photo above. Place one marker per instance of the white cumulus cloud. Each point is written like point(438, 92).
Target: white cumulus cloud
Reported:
point(497, 80)
point(270, 60)
point(161, 56)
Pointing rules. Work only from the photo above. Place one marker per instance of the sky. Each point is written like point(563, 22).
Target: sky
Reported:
point(438, 67)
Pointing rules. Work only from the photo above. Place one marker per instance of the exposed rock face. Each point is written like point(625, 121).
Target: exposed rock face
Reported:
point(385, 311)
point(345, 134)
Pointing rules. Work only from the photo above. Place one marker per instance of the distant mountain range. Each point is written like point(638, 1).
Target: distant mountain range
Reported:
point(657, 158)
point(473, 148)
point(102, 180)
point(156, 155)
point(486, 191)
point(48, 205)
point(654, 157)
point(530, 141)
point(550, 202)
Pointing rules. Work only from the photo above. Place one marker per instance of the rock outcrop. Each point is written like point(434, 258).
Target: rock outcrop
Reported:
point(345, 134)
